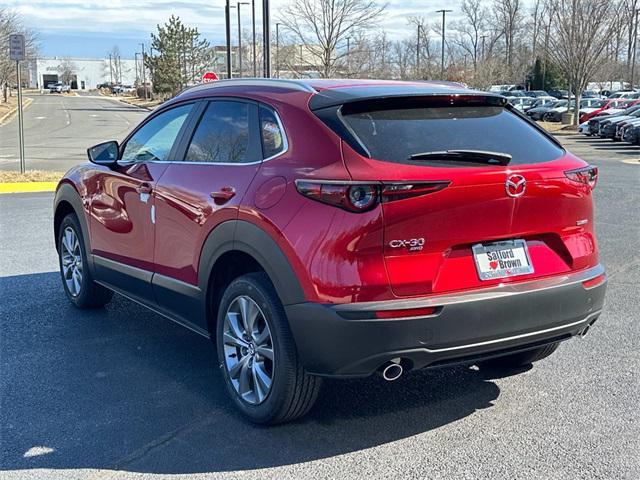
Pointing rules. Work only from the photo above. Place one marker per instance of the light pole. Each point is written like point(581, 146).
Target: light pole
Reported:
point(349, 55)
point(277, 50)
point(444, 13)
point(144, 74)
point(418, 52)
point(110, 71)
point(135, 61)
point(266, 39)
point(633, 51)
point(240, 39)
point(227, 19)
point(253, 21)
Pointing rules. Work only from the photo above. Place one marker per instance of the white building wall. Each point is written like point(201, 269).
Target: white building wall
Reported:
point(91, 71)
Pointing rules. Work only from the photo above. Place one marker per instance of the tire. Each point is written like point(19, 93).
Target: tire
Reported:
point(77, 281)
point(522, 359)
point(291, 391)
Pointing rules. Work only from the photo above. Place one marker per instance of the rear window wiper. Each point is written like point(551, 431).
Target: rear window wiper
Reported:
point(481, 156)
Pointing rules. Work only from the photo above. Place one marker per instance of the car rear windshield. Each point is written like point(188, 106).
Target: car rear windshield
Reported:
point(395, 134)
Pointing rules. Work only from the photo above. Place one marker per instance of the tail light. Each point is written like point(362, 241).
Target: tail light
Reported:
point(586, 175)
point(362, 196)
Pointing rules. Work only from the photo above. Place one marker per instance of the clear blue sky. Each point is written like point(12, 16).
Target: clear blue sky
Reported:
point(90, 28)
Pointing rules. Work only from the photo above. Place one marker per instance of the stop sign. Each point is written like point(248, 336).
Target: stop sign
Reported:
point(209, 77)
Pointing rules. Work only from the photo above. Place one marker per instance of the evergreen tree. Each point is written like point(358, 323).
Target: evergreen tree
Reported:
point(180, 57)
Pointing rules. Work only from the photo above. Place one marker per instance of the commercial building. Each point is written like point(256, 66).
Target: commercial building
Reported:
point(87, 73)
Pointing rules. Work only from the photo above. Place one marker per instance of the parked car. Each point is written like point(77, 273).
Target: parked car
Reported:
point(591, 94)
point(631, 133)
point(594, 122)
point(559, 94)
point(623, 126)
point(609, 106)
point(627, 94)
point(505, 88)
point(537, 113)
point(520, 103)
point(537, 93)
point(607, 127)
point(337, 228)
point(59, 87)
point(555, 114)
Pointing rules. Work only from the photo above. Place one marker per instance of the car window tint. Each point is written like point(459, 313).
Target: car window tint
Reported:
point(153, 141)
point(222, 135)
point(271, 133)
point(395, 134)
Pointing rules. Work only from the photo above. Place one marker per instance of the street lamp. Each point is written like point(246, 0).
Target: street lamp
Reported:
point(418, 52)
point(144, 74)
point(240, 39)
point(266, 39)
point(278, 50)
point(348, 56)
point(227, 20)
point(634, 47)
point(444, 13)
point(253, 20)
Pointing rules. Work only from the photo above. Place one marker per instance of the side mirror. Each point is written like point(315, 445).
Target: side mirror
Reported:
point(104, 153)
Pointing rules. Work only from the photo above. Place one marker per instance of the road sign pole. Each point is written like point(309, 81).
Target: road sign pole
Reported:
point(20, 124)
point(17, 53)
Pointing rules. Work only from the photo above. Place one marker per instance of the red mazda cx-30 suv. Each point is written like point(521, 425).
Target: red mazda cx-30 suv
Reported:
point(337, 228)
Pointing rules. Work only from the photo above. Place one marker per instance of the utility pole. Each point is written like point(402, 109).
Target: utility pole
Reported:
point(240, 39)
point(266, 38)
point(110, 71)
point(418, 52)
point(633, 51)
point(253, 21)
point(277, 50)
point(349, 55)
point(135, 61)
point(444, 13)
point(227, 27)
point(483, 37)
point(144, 74)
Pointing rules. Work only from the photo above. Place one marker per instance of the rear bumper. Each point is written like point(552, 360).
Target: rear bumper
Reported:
point(346, 340)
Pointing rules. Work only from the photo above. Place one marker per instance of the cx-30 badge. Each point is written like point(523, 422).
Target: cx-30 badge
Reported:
point(413, 244)
point(515, 185)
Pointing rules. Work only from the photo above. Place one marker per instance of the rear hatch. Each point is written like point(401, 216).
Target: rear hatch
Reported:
point(509, 211)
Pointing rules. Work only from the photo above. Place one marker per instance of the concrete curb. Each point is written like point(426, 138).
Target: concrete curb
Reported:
point(7, 116)
point(25, 187)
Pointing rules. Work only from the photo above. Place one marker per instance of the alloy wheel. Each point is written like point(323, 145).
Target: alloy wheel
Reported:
point(248, 350)
point(71, 260)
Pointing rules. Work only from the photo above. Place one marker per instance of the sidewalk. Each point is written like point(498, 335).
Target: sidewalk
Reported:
point(9, 109)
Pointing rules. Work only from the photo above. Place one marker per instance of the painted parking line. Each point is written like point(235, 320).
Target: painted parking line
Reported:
point(24, 187)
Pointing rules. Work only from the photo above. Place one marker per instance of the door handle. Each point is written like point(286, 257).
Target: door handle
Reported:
point(222, 196)
point(144, 187)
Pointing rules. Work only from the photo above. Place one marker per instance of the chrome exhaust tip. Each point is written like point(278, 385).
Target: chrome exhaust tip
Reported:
point(392, 371)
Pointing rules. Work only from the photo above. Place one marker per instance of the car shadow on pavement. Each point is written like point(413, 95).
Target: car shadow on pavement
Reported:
point(121, 388)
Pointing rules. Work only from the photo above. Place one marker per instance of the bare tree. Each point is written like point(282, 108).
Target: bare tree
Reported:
point(321, 27)
point(66, 70)
point(580, 29)
point(470, 28)
point(508, 16)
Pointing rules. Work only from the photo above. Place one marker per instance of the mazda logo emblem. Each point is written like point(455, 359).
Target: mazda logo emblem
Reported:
point(515, 185)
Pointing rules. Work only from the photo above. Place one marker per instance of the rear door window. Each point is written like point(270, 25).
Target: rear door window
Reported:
point(395, 134)
point(224, 134)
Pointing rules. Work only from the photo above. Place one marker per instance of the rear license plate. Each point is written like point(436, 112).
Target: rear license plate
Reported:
point(502, 259)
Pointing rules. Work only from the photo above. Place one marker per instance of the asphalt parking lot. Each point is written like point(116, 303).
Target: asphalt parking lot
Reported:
point(122, 393)
point(59, 128)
